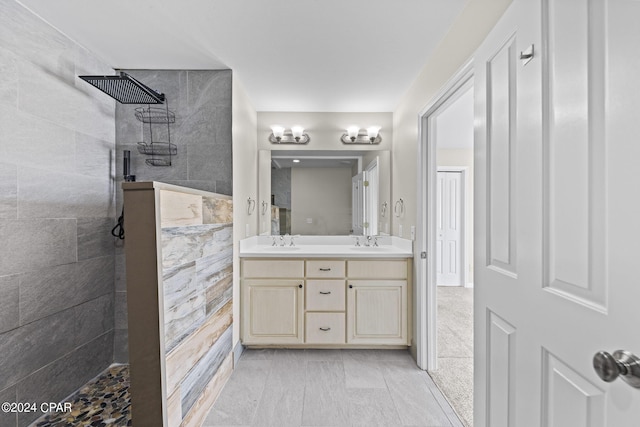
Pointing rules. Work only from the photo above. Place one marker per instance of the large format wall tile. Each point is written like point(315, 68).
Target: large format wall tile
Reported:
point(24, 34)
point(53, 382)
point(43, 292)
point(7, 418)
point(121, 346)
point(25, 350)
point(9, 81)
point(94, 237)
point(28, 141)
point(49, 194)
point(38, 243)
point(8, 191)
point(57, 194)
point(9, 292)
point(93, 318)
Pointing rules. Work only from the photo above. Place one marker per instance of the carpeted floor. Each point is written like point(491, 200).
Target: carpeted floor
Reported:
point(454, 376)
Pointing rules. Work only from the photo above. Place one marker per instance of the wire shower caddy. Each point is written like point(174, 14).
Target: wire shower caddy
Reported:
point(161, 152)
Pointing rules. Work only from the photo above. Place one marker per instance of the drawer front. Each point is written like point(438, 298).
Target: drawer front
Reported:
point(325, 328)
point(272, 268)
point(321, 269)
point(325, 295)
point(390, 269)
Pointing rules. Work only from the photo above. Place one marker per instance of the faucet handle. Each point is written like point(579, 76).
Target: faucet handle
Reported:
point(273, 241)
point(357, 240)
point(375, 241)
point(291, 242)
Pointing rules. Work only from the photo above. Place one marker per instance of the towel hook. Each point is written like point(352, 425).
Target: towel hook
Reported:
point(398, 208)
point(265, 207)
point(251, 206)
point(383, 210)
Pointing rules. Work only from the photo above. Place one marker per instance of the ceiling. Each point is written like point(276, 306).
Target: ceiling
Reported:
point(290, 55)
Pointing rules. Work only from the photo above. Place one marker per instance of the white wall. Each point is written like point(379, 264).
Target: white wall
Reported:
point(463, 38)
point(323, 196)
point(245, 183)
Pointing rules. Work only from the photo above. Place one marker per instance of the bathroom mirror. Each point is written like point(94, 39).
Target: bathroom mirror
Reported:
point(324, 192)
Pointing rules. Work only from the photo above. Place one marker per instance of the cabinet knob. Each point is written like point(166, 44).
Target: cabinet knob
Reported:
point(300, 285)
point(350, 286)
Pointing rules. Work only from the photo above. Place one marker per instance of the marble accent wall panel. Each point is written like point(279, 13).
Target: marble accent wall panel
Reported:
point(181, 317)
point(204, 371)
point(57, 207)
point(197, 272)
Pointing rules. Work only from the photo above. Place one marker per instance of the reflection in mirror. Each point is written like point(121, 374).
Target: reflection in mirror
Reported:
point(326, 193)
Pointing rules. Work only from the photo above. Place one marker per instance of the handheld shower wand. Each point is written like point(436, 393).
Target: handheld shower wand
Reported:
point(127, 167)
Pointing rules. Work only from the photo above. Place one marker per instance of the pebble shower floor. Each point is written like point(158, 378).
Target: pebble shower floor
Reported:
point(105, 401)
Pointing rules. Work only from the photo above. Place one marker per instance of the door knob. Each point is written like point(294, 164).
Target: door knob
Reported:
point(622, 363)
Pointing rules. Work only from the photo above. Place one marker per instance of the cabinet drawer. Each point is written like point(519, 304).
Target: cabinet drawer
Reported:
point(272, 268)
point(325, 328)
point(328, 268)
point(325, 295)
point(390, 269)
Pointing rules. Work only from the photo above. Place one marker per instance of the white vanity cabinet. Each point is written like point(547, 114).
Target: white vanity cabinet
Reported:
point(377, 302)
point(325, 302)
point(273, 301)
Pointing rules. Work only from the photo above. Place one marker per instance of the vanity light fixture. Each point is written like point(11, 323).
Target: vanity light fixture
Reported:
point(295, 136)
point(355, 136)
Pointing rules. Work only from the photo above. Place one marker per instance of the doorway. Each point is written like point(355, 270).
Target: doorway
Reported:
point(446, 277)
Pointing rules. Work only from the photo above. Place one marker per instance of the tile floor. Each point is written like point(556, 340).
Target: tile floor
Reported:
point(330, 388)
point(455, 349)
point(103, 401)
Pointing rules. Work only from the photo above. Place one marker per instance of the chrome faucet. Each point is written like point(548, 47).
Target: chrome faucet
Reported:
point(367, 242)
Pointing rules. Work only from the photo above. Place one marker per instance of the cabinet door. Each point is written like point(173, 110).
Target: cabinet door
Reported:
point(377, 312)
point(272, 311)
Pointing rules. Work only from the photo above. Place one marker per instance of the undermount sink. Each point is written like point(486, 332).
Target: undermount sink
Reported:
point(281, 248)
point(367, 248)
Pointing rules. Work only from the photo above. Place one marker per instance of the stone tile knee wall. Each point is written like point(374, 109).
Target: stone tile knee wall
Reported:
point(201, 101)
point(57, 207)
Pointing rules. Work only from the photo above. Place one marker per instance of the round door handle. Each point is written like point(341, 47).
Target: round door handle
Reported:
point(621, 364)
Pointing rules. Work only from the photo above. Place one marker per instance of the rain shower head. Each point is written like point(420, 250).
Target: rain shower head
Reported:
point(125, 89)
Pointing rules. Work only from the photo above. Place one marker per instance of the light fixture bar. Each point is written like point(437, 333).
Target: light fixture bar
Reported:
point(289, 138)
point(361, 138)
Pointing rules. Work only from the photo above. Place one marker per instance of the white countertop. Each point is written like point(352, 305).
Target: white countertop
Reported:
point(325, 247)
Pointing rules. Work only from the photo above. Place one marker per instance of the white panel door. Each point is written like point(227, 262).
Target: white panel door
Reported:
point(449, 229)
point(556, 153)
point(357, 204)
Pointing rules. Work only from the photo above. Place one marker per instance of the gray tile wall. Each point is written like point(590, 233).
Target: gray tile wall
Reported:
point(201, 101)
point(57, 205)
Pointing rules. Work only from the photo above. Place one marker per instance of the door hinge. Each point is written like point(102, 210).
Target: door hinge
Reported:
point(423, 255)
